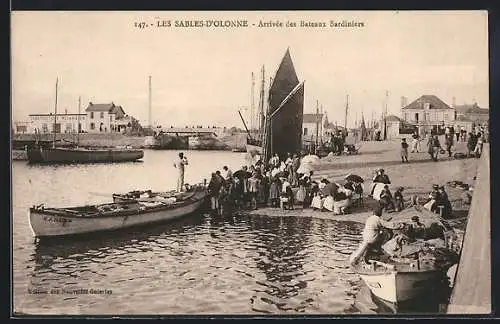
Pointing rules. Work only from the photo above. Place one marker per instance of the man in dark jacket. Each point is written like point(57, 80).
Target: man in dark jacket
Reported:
point(449, 143)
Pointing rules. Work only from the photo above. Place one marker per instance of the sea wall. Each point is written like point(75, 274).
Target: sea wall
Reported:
point(227, 142)
point(472, 287)
point(87, 139)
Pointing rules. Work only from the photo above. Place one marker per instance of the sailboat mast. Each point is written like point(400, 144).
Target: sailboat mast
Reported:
point(78, 122)
point(261, 103)
point(252, 104)
point(346, 111)
point(385, 114)
point(321, 125)
point(55, 116)
point(149, 104)
point(317, 123)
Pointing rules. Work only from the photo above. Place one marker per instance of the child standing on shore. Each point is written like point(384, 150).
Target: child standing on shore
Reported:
point(404, 151)
point(398, 197)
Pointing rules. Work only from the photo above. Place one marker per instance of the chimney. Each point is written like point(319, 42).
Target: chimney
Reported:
point(90, 103)
point(404, 101)
point(65, 111)
point(453, 102)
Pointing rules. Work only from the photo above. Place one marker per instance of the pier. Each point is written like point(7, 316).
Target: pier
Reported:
point(472, 288)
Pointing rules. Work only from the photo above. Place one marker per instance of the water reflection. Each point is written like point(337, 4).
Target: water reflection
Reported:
point(281, 259)
point(95, 247)
point(236, 264)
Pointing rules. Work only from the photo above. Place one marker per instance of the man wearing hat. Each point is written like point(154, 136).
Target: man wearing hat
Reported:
point(444, 201)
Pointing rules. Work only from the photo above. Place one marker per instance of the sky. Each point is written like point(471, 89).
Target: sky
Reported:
point(202, 75)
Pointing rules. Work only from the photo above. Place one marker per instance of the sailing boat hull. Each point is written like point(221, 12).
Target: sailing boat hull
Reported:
point(81, 155)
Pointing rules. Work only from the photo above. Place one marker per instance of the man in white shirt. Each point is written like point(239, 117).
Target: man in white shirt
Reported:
point(374, 224)
point(226, 173)
point(180, 165)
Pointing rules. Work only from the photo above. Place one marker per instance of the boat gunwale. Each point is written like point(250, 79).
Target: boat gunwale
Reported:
point(373, 273)
point(83, 149)
point(187, 202)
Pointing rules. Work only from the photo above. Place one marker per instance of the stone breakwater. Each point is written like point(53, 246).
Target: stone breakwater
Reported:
point(227, 142)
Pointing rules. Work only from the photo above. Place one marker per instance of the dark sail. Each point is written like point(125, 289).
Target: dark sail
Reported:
point(286, 123)
point(285, 110)
point(283, 83)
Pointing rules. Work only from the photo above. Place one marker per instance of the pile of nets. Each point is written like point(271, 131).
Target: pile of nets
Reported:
point(423, 237)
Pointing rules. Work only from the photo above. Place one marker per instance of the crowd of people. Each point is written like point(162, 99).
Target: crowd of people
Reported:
point(474, 139)
point(279, 183)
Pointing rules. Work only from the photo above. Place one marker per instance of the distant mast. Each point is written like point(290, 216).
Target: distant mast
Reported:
point(385, 114)
point(321, 125)
point(78, 122)
point(317, 124)
point(149, 105)
point(252, 104)
point(346, 112)
point(55, 116)
point(262, 116)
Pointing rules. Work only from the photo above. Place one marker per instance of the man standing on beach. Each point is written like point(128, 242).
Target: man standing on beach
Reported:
point(180, 165)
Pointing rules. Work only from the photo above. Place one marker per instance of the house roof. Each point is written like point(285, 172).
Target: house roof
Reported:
point(435, 103)
point(116, 109)
point(311, 118)
point(392, 118)
point(471, 109)
point(463, 118)
point(100, 107)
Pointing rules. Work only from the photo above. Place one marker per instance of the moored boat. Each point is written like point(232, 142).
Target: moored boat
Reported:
point(83, 155)
point(412, 262)
point(51, 222)
point(400, 283)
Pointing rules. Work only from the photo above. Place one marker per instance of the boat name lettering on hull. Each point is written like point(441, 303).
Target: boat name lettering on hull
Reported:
point(53, 219)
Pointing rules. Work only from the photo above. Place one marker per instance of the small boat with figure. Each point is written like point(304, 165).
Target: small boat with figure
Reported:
point(122, 213)
point(410, 263)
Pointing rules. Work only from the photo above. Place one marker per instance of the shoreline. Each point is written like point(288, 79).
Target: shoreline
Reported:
point(416, 177)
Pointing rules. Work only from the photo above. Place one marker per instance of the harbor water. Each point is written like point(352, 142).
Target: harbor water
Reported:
point(200, 264)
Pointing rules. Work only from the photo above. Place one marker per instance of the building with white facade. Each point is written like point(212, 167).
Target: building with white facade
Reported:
point(311, 125)
point(102, 118)
point(428, 112)
point(64, 123)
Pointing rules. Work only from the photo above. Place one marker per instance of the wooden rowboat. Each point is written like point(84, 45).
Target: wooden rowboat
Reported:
point(82, 155)
point(46, 222)
point(396, 284)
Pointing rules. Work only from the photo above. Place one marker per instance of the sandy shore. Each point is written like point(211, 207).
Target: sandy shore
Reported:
point(416, 177)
